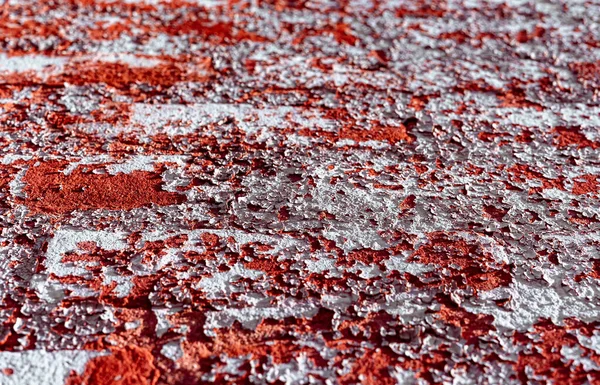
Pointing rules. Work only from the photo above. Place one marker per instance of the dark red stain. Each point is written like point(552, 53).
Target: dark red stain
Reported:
point(408, 203)
point(121, 76)
point(524, 37)
point(372, 368)
point(586, 184)
point(215, 32)
point(8, 371)
point(587, 73)
point(494, 212)
point(349, 130)
point(366, 256)
point(523, 172)
point(471, 325)
point(516, 97)
point(341, 32)
point(572, 136)
point(49, 190)
point(546, 358)
point(467, 264)
point(423, 9)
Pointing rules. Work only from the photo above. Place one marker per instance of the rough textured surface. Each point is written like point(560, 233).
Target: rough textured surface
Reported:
point(299, 192)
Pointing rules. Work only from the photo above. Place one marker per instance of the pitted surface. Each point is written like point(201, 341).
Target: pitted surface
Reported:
point(302, 192)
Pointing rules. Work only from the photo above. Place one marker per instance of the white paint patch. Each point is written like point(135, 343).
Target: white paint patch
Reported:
point(162, 325)
point(30, 63)
point(51, 292)
point(530, 303)
point(67, 240)
point(220, 283)
point(124, 58)
point(17, 185)
point(124, 284)
point(172, 350)
point(185, 119)
point(396, 263)
point(144, 163)
point(279, 243)
point(133, 163)
point(320, 264)
point(250, 317)
point(41, 367)
point(12, 158)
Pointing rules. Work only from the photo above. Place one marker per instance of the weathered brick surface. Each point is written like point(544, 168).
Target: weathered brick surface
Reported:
point(301, 192)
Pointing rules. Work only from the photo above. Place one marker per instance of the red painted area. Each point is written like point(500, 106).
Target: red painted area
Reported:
point(471, 325)
point(49, 190)
point(130, 365)
point(124, 76)
point(572, 136)
point(586, 184)
point(545, 359)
